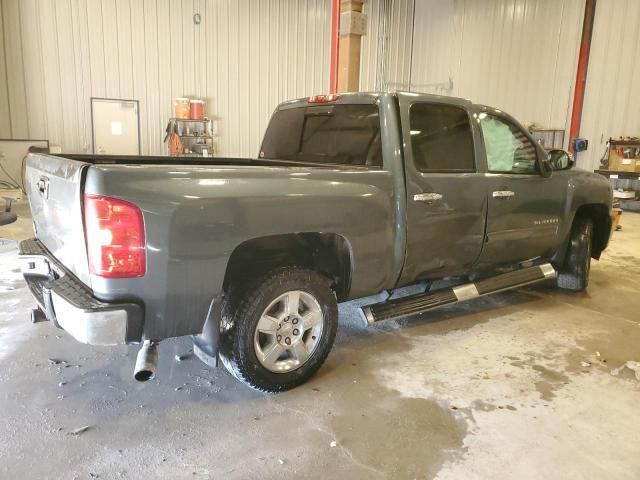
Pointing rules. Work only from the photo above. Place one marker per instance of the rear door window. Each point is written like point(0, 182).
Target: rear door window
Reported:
point(327, 134)
point(441, 139)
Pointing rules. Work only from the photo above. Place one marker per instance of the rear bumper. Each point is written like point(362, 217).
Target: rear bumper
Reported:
point(69, 304)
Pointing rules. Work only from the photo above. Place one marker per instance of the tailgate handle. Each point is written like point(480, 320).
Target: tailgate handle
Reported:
point(43, 186)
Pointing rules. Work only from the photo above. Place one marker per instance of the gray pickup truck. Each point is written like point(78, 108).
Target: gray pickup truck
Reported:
point(351, 195)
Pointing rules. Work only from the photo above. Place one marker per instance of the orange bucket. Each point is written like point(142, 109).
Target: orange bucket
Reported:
point(183, 109)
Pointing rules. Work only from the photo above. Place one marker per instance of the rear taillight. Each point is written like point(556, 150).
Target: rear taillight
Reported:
point(115, 237)
point(332, 97)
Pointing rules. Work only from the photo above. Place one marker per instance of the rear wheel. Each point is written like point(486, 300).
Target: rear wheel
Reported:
point(574, 275)
point(279, 330)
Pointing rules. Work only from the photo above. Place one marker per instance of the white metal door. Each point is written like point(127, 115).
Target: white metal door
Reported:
point(115, 126)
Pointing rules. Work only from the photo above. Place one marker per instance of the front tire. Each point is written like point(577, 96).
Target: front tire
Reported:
point(280, 329)
point(574, 275)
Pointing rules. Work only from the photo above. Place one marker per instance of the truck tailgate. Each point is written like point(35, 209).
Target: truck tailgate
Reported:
point(54, 187)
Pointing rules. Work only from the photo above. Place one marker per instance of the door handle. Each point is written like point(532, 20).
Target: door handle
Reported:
point(427, 197)
point(503, 194)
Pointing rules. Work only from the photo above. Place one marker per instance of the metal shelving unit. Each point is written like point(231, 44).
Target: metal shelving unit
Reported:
point(617, 175)
point(196, 136)
point(549, 138)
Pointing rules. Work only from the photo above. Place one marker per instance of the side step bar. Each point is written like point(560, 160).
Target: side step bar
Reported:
point(415, 304)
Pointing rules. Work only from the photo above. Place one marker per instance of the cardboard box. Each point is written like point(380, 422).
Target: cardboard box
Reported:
point(627, 165)
point(619, 164)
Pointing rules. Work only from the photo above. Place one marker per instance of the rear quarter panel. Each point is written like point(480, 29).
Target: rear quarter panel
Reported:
point(196, 216)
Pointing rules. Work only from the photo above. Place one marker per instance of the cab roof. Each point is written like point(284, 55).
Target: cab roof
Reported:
point(369, 97)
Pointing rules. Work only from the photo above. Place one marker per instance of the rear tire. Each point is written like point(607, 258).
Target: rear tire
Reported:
point(278, 330)
point(574, 275)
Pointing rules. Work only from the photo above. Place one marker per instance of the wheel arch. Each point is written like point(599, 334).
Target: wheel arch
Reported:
point(327, 253)
point(601, 218)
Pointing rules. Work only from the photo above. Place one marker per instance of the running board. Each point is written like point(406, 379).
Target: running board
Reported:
point(415, 304)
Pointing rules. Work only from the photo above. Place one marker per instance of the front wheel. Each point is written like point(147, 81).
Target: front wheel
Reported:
point(574, 275)
point(280, 329)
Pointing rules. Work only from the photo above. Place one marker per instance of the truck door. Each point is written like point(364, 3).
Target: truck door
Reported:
point(525, 208)
point(446, 200)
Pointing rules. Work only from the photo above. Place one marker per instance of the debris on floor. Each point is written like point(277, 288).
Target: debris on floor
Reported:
point(424, 376)
point(61, 363)
point(80, 431)
point(631, 365)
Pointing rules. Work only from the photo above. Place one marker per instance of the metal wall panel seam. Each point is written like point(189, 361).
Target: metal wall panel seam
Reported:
point(5, 73)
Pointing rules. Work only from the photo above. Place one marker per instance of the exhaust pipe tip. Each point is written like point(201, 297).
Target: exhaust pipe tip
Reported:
point(146, 362)
point(144, 375)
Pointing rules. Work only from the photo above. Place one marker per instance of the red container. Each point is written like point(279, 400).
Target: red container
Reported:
point(197, 109)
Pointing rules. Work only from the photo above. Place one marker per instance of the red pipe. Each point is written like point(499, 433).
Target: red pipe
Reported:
point(581, 74)
point(335, 37)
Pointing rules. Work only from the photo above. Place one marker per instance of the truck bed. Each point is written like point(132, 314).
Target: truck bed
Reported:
point(198, 212)
point(202, 161)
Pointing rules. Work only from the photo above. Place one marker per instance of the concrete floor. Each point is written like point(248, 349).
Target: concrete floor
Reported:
point(522, 385)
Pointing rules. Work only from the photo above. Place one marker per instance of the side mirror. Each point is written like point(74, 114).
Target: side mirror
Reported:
point(560, 160)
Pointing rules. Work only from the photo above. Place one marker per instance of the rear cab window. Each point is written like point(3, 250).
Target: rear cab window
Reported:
point(342, 134)
point(441, 138)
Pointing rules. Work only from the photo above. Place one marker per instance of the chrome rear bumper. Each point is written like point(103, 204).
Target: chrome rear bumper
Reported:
point(70, 305)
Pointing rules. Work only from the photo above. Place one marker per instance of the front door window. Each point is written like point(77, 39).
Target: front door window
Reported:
point(508, 149)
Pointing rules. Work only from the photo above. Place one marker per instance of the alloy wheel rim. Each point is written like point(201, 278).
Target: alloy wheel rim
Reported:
point(288, 331)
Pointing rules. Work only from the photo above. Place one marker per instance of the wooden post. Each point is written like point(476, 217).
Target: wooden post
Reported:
point(351, 32)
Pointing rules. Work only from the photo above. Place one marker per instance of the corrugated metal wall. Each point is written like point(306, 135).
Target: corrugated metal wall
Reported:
point(5, 127)
point(385, 60)
point(377, 39)
point(518, 55)
point(612, 100)
point(521, 56)
point(244, 58)
point(247, 56)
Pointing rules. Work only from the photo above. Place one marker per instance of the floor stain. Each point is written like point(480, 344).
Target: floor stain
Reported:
point(550, 382)
point(460, 392)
